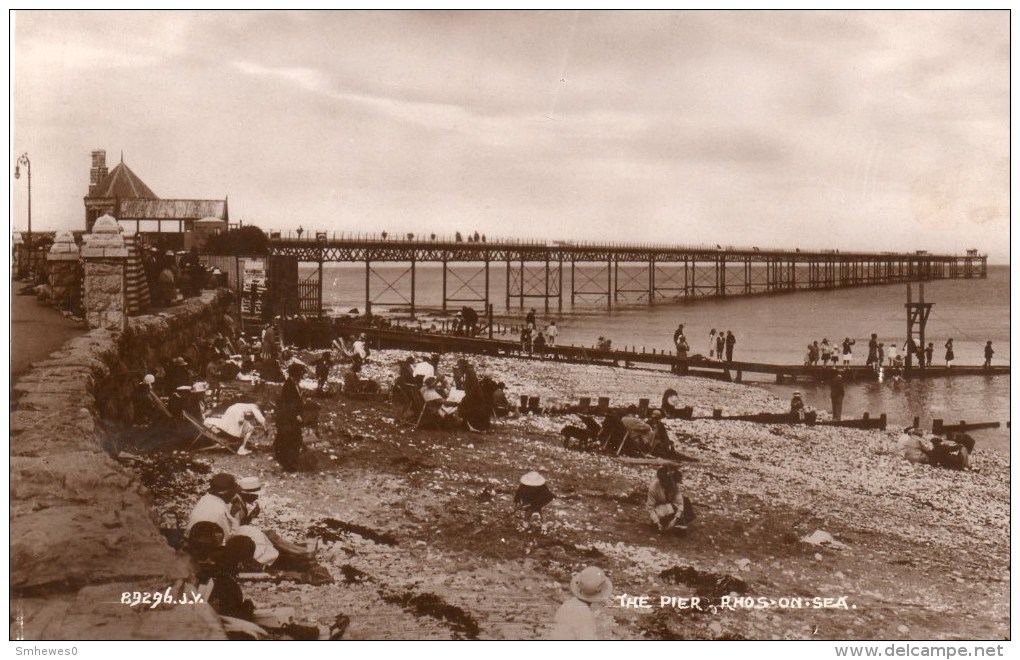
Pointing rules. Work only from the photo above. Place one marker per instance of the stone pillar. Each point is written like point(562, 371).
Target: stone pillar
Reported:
point(64, 270)
point(105, 256)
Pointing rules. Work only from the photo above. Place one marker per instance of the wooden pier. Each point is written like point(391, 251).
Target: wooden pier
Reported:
point(537, 273)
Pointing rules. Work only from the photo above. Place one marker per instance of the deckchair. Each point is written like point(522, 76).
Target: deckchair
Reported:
point(341, 350)
point(159, 405)
point(203, 433)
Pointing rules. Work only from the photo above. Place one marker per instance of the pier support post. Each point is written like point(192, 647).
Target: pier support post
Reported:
point(368, 286)
point(444, 283)
point(609, 283)
point(412, 285)
point(508, 284)
point(546, 296)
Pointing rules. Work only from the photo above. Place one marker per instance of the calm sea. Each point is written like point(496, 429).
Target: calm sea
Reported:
point(768, 329)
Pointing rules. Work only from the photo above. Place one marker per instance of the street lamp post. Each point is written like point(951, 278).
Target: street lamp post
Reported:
point(23, 160)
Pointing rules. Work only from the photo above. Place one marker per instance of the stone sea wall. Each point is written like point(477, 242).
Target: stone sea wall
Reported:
point(82, 531)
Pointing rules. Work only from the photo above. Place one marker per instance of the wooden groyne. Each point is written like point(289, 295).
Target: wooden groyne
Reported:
point(694, 366)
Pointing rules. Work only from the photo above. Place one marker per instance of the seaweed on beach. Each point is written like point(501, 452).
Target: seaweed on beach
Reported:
point(460, 622)
point(705, 584)
point(332, 530)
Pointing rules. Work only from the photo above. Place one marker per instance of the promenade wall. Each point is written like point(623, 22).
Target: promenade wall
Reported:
point(82, 531)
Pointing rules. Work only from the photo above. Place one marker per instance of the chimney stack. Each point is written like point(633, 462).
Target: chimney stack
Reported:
point(98, 171)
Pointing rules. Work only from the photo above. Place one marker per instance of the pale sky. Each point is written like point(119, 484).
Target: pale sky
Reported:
point(850, 130)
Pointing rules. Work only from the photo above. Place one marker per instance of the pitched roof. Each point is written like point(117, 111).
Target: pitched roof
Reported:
point(171, 209)
point(122, 182)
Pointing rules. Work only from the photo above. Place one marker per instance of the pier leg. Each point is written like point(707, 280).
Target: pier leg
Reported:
point(412, 286)
point(651, 281)
point(487, 305)
point(559, 289)
point(609, 283)
point(444, 285)
point(547, 284)
point(368, 286)
point(508, 285)
point(617, 277)
point(522, 284)
point(573, 285)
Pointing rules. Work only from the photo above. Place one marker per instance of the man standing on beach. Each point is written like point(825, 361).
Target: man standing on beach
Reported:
point(836, 393)
point(730, 342)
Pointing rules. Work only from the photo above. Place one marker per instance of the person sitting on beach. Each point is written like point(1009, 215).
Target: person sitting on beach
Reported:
point(272, 551)
point(670, 403)
point(215, 505)
point(473, 408)
point(640, 436)
point(532, 495)
point(423, 370)
point(236, 421)
point(355, 384)
point(797, 406)
point(500, 403)
point(953, 452)
point(663, 445)
point(667, 507)
point(226, 597)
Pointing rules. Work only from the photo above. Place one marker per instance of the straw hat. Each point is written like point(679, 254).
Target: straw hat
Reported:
point(249, 484)
point(183, 388)
point(149, 379)
point(200, 387)
point(532, 479)
point(591, 585)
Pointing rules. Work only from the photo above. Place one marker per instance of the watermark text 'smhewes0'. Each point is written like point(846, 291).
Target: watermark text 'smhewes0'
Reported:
point(921, 651)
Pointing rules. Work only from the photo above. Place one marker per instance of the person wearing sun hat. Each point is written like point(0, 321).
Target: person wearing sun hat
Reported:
point(532, 495)
point(575, 619)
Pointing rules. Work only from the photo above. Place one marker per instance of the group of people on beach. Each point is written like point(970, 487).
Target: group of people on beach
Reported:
point(535, 340)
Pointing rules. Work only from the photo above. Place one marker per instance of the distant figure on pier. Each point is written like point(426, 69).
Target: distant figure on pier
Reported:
point(682, 347)
point(527, 341)
point(989, 352)
point(812, 354)
point(808, 356)
point(826, 351)
point(891, 354)
point(881, 356)
point(848, 353)
point(929, 352)
point(539, 343)
point(530, 319)
point(872, 351)
point(950, 356)
point(604, 344)
point(678, 333)
point(711, 344)
point(836, 393)
point(551, 331)
point(720, 345)
point(731, 341)
point(910, 352)
point(470, 317)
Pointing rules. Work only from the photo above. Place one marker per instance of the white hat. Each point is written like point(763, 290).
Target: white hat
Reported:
point(249, 484)
point(532, 479)
point(149, 378)
point(184, 388)
point(591, 585)
point(199, 387)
